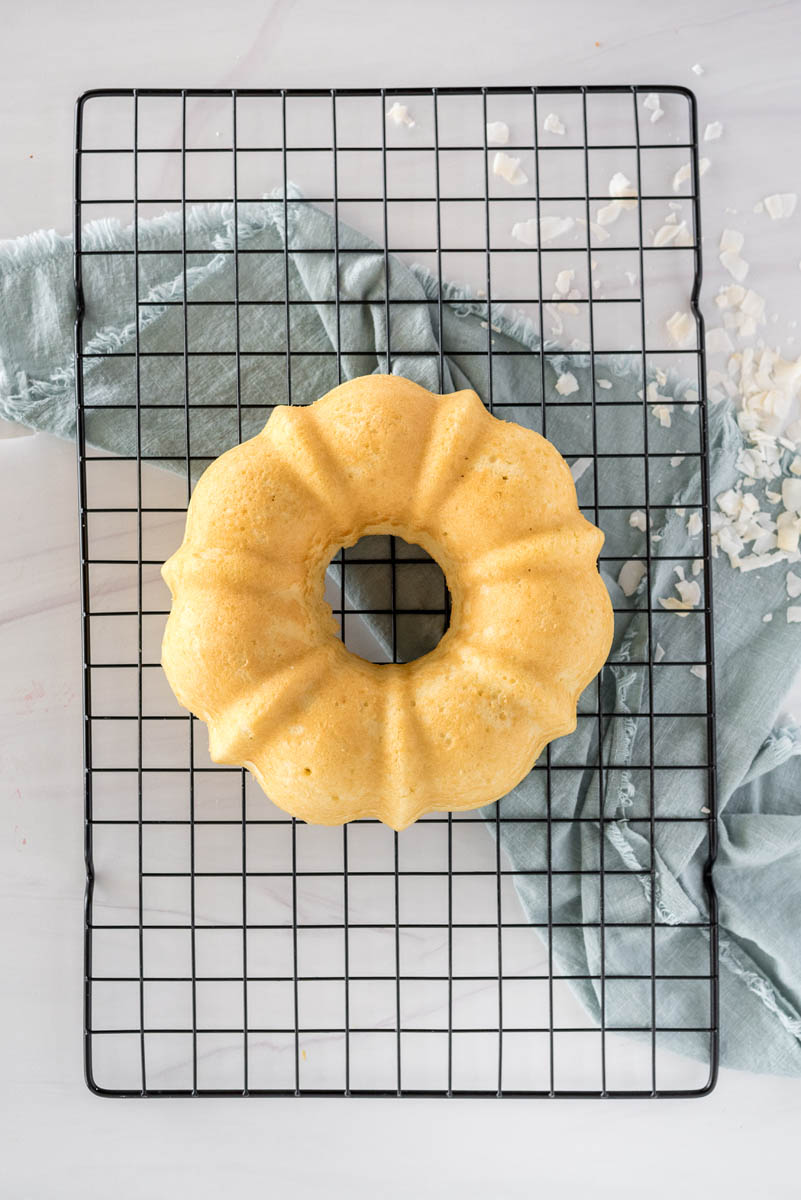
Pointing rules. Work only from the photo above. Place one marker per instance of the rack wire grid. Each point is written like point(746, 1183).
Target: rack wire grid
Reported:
point(231, 950)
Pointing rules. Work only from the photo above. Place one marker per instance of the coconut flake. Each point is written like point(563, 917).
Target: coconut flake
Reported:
point(731, 239)
point(676, 461)
point(794, 615)
point(621, 188)
point(551, 227)
point(673, 231)
point(579, 467)
point(508, 168)
point(734, 264)
point(731, 296)
point(793, 584)
point(795, 465)
point(637, 520)
point(697, 69)
point(753, 305)
point(400, 115)
point(780, 205)
point(662, 413)
point(768, 617)
point(788, 529)
point(609, 213)
point(680, 327)
point(694, 524)
point(713, 131)
point(718, 342)
point(682, 175)
point(689, 596)
point(604, 383)
point(791, 494)
point(563, 281)
point(566, 384)
point(630, 576)
point(699, 671)
point(552, 124)
point(497, 133)
point(651, 103)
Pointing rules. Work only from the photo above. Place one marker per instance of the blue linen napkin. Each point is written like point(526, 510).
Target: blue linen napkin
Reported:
point(440, 340)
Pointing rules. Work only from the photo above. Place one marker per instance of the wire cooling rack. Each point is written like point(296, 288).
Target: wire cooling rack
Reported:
point(229, 949)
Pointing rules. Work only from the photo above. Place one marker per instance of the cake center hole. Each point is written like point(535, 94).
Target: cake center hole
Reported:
point(390, 597)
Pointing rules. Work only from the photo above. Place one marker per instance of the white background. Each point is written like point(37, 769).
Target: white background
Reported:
point(60, 1140)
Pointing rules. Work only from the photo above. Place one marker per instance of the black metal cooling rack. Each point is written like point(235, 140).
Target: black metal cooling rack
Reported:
point(229, 949)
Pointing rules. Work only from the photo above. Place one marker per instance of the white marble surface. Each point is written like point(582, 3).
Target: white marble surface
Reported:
point(61, 1140)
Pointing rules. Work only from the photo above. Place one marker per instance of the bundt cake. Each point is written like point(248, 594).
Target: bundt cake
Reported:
point(252, 649)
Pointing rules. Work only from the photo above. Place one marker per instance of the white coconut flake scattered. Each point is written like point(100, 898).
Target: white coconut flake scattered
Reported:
point(637, 520)
point(566, 384)
point(794, 615)
point(677, 460)
point(689, 596)
point(718, 342)
point(609, 213)
point(734, 264)
point(793, 584)
point(551, 227)
point(699, 670)
point(680, 327)
point(698, 566)
point(631, 574)
point(400, 115)
point(788, 529)
point(791, 494)
point(681, 176)
point(731, 239)
point(673, 231)
point(497, 133)
point(651, 103)
point(697, 69)
point(780, 205)
point(694, 524)
point(579, 467)
point(795, 465)
point(604, 383)
point(563, 282)
point(621, 187)
point(753, 305)
point(662, 413)
point(731, 296)
point(713, 131)
point(508, 168)
point(552, 124)
point(768, 617)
